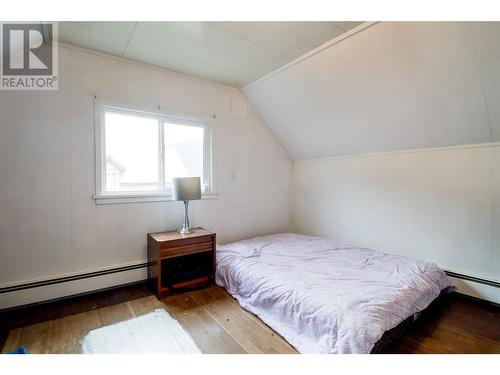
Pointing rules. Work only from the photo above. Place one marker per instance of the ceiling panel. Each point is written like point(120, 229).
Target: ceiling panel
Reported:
point(145, 53)
point(107, 42)
point(211, 36)
point(322, 32)
point(293, 50)
point(232, 53)
point(274, 38)
point(163, 40)
point(346, 25)
point(118, 28)
point(299, 29)
point(246, 30)
point(74, 33)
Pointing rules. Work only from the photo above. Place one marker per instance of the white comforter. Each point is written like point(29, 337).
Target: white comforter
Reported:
point(322, 296)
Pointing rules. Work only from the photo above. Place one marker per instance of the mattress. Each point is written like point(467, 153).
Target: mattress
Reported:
point(323, 296)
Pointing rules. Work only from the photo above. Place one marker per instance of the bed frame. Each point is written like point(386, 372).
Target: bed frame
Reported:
point(390, 337)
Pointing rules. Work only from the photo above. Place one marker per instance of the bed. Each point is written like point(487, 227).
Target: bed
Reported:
point(323, 296)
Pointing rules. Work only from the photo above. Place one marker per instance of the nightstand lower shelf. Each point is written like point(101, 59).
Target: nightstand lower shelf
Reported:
point(191, 283)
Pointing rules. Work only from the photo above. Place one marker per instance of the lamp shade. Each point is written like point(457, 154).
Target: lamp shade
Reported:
point(186, 188)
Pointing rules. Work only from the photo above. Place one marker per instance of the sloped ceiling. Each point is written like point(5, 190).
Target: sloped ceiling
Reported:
point(392, 86)
point(231, 53)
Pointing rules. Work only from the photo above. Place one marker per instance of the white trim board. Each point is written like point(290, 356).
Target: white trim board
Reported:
point(415, 150)
point(315, 51)
point(142, 198)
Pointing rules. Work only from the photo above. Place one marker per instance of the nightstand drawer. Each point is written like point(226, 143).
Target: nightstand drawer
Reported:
point(186, 249)
point(186, 241)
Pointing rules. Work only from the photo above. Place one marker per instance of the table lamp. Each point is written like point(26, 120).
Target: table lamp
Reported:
point(186, 189)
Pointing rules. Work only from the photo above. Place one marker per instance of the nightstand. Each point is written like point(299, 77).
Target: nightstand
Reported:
point(178, 262)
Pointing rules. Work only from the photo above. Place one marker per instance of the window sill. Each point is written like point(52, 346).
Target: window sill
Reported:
point(140, 198)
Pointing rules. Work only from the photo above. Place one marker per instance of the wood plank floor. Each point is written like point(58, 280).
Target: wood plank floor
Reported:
point(218, 324)
point(454, 325)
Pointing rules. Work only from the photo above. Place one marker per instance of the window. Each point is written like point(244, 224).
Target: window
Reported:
point(138, 153)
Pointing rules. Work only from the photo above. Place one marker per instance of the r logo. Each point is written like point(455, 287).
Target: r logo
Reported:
point(27, 50)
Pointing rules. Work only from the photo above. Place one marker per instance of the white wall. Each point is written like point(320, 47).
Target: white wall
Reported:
point(49, 224)
point(441, 205)
point(393, 86)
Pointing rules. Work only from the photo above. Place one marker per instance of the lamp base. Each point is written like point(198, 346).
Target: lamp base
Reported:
point(186, 230)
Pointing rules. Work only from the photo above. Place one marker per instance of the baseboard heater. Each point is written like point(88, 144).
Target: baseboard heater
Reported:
point(58, 280)
point(65, 279)
point(472, 278)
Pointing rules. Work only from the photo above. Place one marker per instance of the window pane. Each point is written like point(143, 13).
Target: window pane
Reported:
point(131, 153)
point(183, 151)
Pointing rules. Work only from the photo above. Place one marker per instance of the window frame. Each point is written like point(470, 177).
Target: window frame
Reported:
point(164, 194)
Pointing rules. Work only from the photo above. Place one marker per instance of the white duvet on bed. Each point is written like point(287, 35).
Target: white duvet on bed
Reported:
point(322, 296)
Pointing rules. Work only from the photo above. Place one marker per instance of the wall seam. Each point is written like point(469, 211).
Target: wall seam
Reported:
point(481, 83)
point(71, 160)
point(128, 41)
point(492, 154)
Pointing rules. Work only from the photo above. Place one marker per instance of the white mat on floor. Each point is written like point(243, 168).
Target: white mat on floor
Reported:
point(156, 332)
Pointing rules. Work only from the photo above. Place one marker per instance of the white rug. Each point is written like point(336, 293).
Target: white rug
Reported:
point(156, 332)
